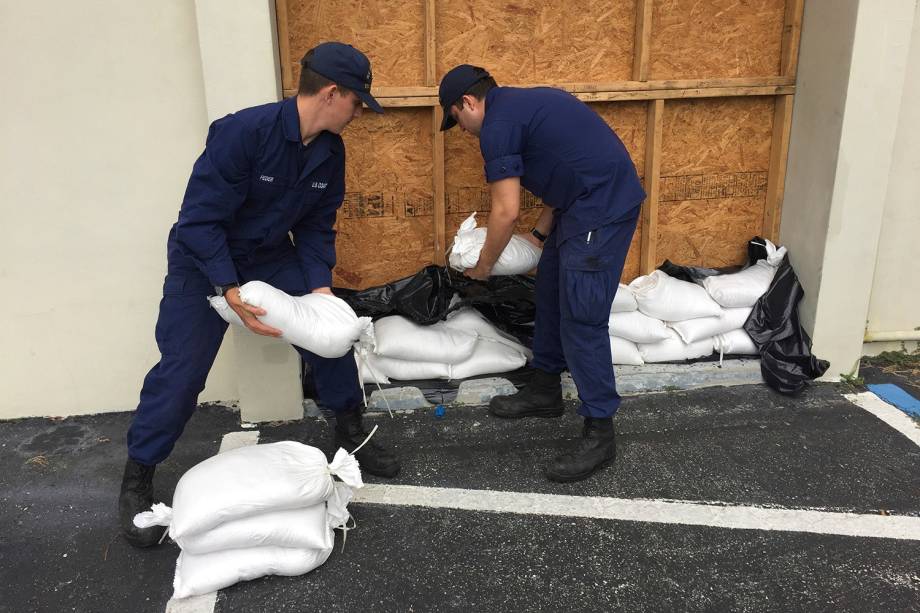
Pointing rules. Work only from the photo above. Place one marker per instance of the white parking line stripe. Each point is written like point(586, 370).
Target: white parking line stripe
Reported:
point(206, 602)
point(720, 515)
point(892, 416)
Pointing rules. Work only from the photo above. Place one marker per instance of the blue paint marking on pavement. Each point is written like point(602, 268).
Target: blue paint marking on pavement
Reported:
point(892, 394)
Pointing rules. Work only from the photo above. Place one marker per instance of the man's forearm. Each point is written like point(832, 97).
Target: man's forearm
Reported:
point(505, 209)
point(544, 223)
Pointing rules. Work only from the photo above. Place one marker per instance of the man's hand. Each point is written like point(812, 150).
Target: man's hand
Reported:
point(478, 272)
point(248, 313)
point(322, 290)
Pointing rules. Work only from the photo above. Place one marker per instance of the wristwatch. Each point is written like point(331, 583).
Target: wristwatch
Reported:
point(538, 235)
point(220, 290)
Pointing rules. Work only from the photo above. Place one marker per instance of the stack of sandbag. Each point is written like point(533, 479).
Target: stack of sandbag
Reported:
point(685, 320)
point(626, 327)
point(519, 257)
point(672, 303)
point(321, 323)
point(255, 511)
point(465, 345)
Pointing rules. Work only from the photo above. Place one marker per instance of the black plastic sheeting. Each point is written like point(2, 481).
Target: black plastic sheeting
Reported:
point(425, 298)
point(786, 361)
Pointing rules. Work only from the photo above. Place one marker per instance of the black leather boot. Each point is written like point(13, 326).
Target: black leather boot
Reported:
point(596, 449)
point(374, 458)
point(137, 496)
point(542, 397)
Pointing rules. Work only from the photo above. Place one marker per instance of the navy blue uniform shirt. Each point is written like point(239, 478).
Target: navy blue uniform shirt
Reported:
point(564, 154)
point(254, 183)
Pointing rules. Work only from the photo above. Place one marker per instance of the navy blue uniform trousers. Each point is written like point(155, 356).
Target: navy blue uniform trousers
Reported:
point(576, 283)
point(189, 333)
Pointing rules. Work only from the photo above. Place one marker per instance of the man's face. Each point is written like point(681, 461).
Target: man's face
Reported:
point(343, 107)
point(470, 116)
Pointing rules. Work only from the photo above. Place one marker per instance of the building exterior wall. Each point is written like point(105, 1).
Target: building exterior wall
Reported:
point(894, 308)
point(853, 62)
point(103, 115)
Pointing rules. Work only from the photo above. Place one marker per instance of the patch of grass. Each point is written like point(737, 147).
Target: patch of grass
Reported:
point(904, 363)
point(671, 388)
point(39, 460)
point(852, 380)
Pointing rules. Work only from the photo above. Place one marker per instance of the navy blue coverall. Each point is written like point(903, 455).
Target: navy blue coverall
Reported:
point(565, 154)
point(254, 184)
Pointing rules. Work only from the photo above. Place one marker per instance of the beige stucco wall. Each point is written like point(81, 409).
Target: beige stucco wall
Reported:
point(853, 62)
point(895, 302)
point(103, 113)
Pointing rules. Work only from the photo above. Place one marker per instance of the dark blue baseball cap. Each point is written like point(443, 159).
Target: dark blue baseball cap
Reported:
point(346, 66)
point(453, 85)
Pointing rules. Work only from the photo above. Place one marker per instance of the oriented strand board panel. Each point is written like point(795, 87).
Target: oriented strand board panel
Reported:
point(533, 41)
point(385, 224)
point(715, 156)
point(466, 190)
point(390, 32)
point(691, 39)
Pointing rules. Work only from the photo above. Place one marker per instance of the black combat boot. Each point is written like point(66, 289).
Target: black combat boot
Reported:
point(372, 457)
point(137, 496)
point(542, 397)
point(596, 448)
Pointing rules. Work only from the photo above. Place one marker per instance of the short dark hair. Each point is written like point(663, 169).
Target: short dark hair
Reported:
point(477, 90)
point(311, 81)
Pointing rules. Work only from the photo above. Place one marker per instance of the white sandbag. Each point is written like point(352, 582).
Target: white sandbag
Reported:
point(210, 572)
point(303, 528)
point(489, 357)
point(472, 321)
point(625, 352)
point(737, 342)
point(741, 289)
point(320, 323)
point(519, 257)
point(701, 328)
point(637, 327)
point(669, 299)
point(405, 370)
point(249, 481)
point(399, 338)
point(367, 372)
point(674, 350)
point(623, 300)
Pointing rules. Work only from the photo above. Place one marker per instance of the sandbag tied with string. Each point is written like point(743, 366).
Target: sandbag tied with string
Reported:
point(255, 511)
point(320, 323)
point(518, 257)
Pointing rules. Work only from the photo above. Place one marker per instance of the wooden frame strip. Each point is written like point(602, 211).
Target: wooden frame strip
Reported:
point(643, 40)
point(649, 239)
point(647, 90)
point(439, 204)
point(776, 176)
point(284, 48)
point(608, 96)
point(792, 34)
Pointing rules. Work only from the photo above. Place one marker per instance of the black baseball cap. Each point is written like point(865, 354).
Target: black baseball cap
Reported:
point(454, 84)
point(346, 66)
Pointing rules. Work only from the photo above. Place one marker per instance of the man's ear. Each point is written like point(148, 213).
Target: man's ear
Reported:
point(328, 92)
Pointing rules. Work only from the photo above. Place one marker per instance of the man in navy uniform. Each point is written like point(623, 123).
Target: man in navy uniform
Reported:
point(555, 146)
point(266, 171)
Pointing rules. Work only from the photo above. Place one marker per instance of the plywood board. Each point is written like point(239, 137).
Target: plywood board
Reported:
point(717, 38)
point(715, 160)
point(386, 225)
point(531, 41)
point(391, 34)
